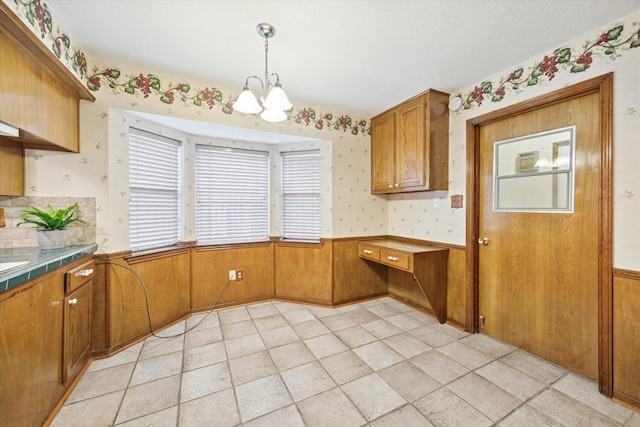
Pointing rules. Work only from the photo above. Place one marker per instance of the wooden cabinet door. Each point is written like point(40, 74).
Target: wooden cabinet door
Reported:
point(410, 147)
point(12, 170)
point(77, 330)
point(383, 134)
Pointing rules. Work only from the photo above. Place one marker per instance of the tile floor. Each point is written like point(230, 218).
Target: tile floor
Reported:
point(377, 363)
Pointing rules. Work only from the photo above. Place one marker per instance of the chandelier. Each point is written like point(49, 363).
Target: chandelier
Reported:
point(273, 101)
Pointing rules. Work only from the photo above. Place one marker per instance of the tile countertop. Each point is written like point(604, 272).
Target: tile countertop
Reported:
point(38, 263)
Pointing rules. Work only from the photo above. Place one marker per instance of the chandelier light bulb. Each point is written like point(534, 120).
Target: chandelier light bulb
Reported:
point(273, 115)
point(277, 99)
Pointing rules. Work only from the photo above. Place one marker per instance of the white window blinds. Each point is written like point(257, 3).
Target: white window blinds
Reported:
point(232, 195)
point(300, 216)
point(154, 190)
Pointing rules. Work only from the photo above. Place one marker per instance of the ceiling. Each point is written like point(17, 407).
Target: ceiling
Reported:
point(354, 57)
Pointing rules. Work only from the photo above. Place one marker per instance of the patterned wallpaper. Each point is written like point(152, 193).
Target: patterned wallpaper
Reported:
point(352, 210)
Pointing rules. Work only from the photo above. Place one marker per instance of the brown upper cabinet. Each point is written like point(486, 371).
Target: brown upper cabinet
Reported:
point(38, 94)
point(410, 146)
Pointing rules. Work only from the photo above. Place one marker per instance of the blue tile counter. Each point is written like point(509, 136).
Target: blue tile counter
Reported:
point(38, 261)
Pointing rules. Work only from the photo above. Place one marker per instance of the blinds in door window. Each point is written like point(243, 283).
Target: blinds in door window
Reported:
point(154, 190)
point(300, 216)
point(232, 195)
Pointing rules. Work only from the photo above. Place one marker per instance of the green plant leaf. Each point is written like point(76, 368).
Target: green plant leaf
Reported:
point(486, 87)
point(635, 43)
point(518, 73)
point(165, 99)
point(115, 73)
point(533, 81)
point(578, 68)
point(564, 55)
point(130, 90)
point(615, 32)
point(610, 51)
point(185, 87)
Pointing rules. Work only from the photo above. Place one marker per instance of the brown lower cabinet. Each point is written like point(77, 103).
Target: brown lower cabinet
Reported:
point(32, 324)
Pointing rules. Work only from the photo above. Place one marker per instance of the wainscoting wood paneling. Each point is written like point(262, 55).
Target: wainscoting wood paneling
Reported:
point(626, 338)
point(305, 274)
point(210, 269)
point(353, 277)
point(167, 283)
point(456, 286)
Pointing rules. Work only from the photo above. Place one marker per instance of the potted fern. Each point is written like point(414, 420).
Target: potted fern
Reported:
point(51, 224)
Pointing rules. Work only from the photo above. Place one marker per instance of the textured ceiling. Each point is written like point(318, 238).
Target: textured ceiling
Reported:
point(357, 57)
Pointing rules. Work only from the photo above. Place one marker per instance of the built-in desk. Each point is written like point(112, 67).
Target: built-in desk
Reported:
point(427, 265)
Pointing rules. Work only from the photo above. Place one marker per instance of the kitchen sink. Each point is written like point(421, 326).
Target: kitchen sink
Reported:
point(9, 265)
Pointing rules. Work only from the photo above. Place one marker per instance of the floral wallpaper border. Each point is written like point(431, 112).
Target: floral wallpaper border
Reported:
point(609, 44)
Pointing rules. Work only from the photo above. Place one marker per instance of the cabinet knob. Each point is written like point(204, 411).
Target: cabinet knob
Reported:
point(85, 273)
point(484, 240)
point(396, 186)
point(73, 301)
point(390, 185)
point(392, 258)
point(367, 251)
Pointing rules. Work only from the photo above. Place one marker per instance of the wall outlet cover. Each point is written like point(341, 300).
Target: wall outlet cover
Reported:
point(456, 201)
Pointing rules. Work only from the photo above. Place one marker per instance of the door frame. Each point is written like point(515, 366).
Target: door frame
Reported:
point(603, 85)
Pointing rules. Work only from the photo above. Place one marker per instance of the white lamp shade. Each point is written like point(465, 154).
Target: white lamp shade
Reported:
point(277, 99)
point(271, 115)
point(247, 103)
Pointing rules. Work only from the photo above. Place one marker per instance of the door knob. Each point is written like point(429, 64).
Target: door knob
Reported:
point(484, 240)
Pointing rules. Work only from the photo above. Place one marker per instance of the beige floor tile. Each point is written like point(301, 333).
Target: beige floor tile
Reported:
point(321, 311)
point(233, 315)
point(444, 408)
point(383, 310)
point(262, 396)
point(157, 367)
point(372, 302)
point(464, 355)
point(424, 318)
point(526, 416)
point(101, 382)
point(206, 380)
point(310, 329)
point(406, 416)
point(362, 315)
point(127, 355)
point(199, 337)
point(203, 321)
point(289, 417)
point(487, 345)
point(405, 322)
point(99, 411)
point(349, 307)
point(485, 396)
point(204, 355)
point(634, 421)
point(280, 336)
point(409, 381)
point(238, 329)
point(218, 409)
point(242, 346)
point(431, 336)
point(164, 418)
point(403, 308)
point(450, 330)
point(373, 396)
point(382, 329)
point(439, 367)
point(158, 347)
point(378, 355)
point(262, 310)
point(336, 322)
point(586, 391)
point(533, 366)
point(345, 367)
point(173, 331)
point(291, 355)
point(251, 367)
point(510, 379)
point(149, 397)
point(569, 411)
point(272, 321)
point(284, 306)
point(407, 345)
point(330, 409)
point(325, 345)
point(307, 380)
point(298, 316)
point(355, 336)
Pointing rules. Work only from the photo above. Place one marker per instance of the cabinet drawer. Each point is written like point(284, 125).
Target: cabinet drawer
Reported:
point(79, 275)
point(369, 252)
point(396, 259)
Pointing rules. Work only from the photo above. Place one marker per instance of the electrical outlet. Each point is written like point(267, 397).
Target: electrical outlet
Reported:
point(239, 275)
point(232, 275)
